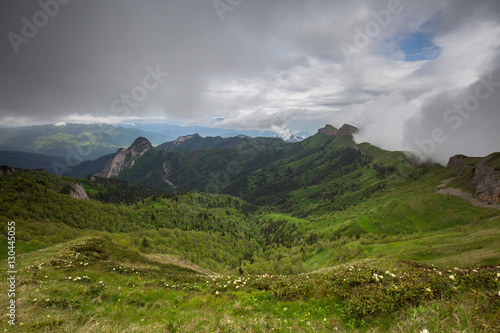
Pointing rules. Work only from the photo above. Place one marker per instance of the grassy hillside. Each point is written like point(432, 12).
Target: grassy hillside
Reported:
point(211, 230)
point(197, 142)
point(93, 285)
point(321, 235)
point(208, 170)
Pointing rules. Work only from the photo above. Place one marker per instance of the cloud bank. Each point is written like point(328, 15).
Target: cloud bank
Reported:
point(392, 68)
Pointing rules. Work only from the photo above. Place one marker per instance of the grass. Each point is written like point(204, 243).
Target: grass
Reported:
point(93, 285)
point(459, 246)
point(283, 217)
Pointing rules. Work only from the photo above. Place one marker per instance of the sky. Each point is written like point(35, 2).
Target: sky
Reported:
point(419, 76)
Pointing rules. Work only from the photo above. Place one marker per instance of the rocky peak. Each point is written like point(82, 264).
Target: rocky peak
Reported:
point(140, 144)
point(330, 131)
point(345, 130)
point(182, 139)
point(77, 191)
point(125, 158)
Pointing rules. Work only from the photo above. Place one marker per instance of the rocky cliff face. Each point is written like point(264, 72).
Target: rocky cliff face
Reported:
point(456, 161)
point(182, 139)
point(125, 158)
point(78, 192)
point(345, 130)
point(327, 131)
point(483, 176)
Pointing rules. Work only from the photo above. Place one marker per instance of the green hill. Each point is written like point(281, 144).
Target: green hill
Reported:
point(307, 236)
point(94, 285)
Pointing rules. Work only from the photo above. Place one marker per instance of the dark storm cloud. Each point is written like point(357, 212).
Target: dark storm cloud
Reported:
point(270, 64)
point(92, 52)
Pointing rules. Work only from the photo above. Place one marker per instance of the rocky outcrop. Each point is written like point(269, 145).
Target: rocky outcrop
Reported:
point(181, 139)
point(456, 161)
point(172, 145)
point(167, 172)
point(328, 131)
point(482, 176)
point(486, 181)
point(345, 130)
point(78, 192)
point(125, 158)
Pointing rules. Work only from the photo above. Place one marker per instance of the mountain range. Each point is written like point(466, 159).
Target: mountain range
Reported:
point(241, 165)
point(325, 226)
point(66, 148)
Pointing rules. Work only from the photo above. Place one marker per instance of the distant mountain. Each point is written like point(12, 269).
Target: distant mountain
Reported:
point(52, 164)
point(191, 162)
point(86, 168)
point(175, 131)
point(194, 142)
point(22, 160)
point(73, 141)
point(327, 171)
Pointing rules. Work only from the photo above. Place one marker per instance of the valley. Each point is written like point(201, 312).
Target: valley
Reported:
point(255, 234)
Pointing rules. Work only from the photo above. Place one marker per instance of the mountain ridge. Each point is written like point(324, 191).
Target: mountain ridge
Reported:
point(345, 130)
point(125, 158)
point(268, 170)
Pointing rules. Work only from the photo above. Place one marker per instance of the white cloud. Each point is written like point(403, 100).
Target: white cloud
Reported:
point(87, 118)
point(18, 121)
point(381, 120)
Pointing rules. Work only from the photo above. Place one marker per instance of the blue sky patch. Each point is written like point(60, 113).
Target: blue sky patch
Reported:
point(418, 46)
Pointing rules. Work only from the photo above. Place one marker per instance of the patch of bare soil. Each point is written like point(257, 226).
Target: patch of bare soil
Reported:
point(464, 195)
